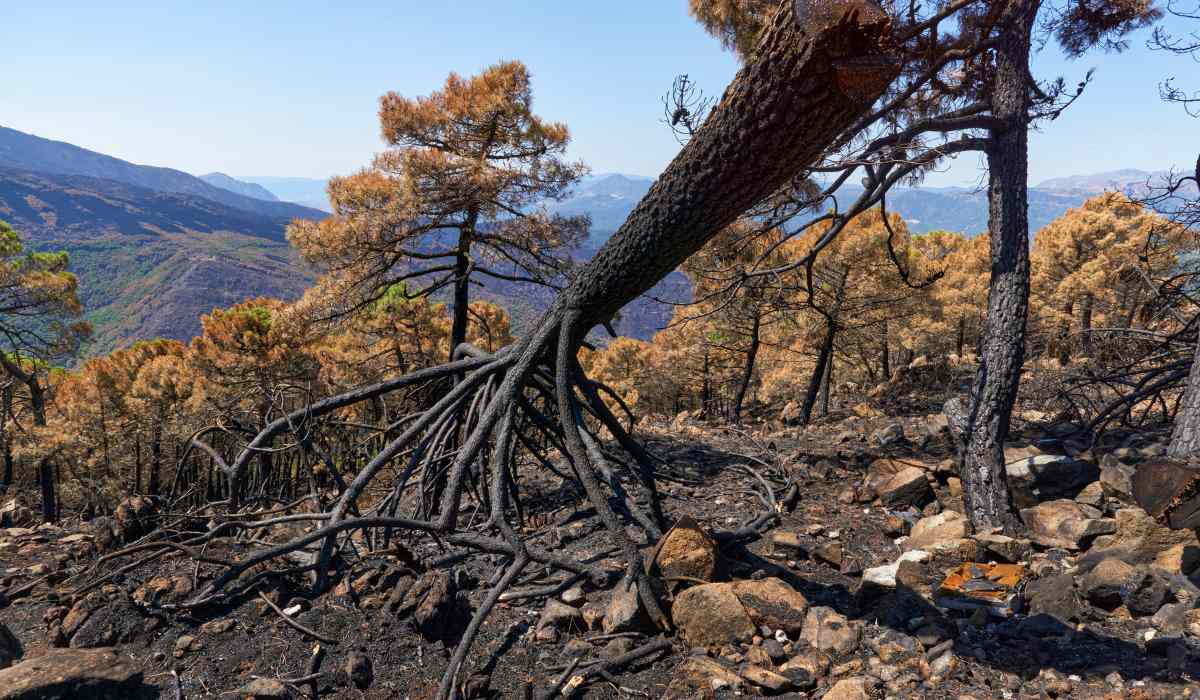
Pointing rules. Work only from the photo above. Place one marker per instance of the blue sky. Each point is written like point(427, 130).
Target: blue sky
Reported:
point(290, 88)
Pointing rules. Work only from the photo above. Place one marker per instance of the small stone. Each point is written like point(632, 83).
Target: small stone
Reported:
point(617, 647)
point(624, 612)
point(574, 596)
point(1091, 495)
point(185, 644)
point(830, 553)
point(560, 616)
point(217, 626)
point(850, 689)
point(766, 678)
point(941, 532)
point(264, 689)
point(1065, 524)
point(360, 670)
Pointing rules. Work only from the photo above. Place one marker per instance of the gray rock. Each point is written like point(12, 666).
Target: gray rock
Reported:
point(890, 434)
point(828, 631)
point(1065, 524)
point(1116, 479)
point(624, 612)
point(1110, 582)
point(560, 616)
point(1054, 596)
point(59, 674)
point(1044, 477)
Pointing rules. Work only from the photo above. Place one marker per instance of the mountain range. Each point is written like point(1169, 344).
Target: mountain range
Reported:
point(155, 247)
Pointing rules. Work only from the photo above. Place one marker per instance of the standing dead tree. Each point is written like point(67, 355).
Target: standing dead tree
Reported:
point(817, 69)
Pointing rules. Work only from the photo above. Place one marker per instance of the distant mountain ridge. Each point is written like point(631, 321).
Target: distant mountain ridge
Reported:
point(29, 152)
point(302, 190)
point(155, 247)
point(150, 262)
point(246, 189)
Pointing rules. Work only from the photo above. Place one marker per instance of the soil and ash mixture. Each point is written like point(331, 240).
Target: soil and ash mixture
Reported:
point(804, 563)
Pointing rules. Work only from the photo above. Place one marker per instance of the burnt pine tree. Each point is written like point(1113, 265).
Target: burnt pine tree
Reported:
point(39, 312)
point(458, 198)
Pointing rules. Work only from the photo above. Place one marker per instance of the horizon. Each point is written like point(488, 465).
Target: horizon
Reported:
point(316, 117)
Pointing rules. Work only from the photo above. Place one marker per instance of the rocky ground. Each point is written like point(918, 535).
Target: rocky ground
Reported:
point(845, 596)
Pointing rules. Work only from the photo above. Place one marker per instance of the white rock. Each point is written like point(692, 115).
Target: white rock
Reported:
point(886, 575)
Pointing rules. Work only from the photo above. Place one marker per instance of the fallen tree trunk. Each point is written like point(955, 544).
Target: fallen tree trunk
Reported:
point(818, 68)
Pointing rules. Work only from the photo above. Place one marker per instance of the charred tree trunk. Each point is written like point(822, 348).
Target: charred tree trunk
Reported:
point(885, 360)
point(748, 370)
point(37, 402)
point(962, 336)
point(824, 357)
point(1085, 326)
point(6, 399)
point(1185, 437)
point(985, 482)
point(462, 293)
point(827, 384)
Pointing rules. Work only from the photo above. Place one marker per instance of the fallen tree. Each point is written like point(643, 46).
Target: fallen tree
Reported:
point(818, 68)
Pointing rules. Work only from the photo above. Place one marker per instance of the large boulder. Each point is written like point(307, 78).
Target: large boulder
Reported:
point(1109, 582)
point(724, 613)
point(96, 674)
point(772, 603)
point(1044, 477)
point(1065, 524)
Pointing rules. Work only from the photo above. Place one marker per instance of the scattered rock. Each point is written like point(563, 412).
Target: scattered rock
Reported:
point(700, 677)
point(898, 483)
point(766, 679)
point(772, 603)
point(786, 543)
point(829, 631)
point(830, 553)
point(937, 533)
point(134, 517)
point(1065, 524)
point(185, 644)
point(163, 589)
point(1053, 596)
point(850, 689)
point(711, 615)
point(215, 627)
point(1139, 539)
point(686, 551)
point(885, 576)
point(264, 689)
point(14, 513)
point(1009, 550)
point(888, 435)
point(96, 674)
point(432, 601)
point(1091, 495)
point(560, 616)
point(624, 612)
point(360, 670)
point(1116, 479)
point(1043, 477)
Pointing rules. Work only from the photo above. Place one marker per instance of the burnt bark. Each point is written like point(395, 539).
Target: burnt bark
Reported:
point(1185, 437)
point(824, 357)
point(748, 369)
point(985, 482)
